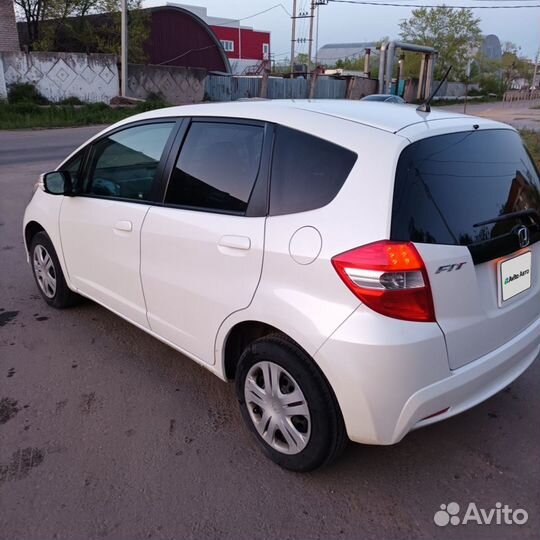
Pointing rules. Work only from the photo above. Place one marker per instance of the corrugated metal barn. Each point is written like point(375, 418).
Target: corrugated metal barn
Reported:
point(178, 37)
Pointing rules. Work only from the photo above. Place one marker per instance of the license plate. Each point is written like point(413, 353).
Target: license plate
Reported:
point(514, 276)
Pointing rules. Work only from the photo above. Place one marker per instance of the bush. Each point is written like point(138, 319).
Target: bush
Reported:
point(25, 108)
point(150, 105)
point(155, 96)
point(71, 100)
point(97, 107)
point(475, 92)
point(25, 93)
point(491, 85)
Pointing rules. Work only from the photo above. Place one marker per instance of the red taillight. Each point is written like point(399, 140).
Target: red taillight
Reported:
point(390, 278)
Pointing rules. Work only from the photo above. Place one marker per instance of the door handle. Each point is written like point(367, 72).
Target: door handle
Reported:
point(126, 226)
point(235, 242)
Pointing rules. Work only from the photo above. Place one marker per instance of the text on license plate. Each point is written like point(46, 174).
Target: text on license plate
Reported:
point(515, 275)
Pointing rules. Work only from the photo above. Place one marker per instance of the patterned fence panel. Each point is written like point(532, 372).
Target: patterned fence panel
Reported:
point(176, 85)
point(89, 77)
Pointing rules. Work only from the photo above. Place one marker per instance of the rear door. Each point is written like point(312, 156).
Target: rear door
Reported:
point(470, 201)
point(202, 249)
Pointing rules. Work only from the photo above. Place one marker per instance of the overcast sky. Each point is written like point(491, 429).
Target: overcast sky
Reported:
point(345, 22)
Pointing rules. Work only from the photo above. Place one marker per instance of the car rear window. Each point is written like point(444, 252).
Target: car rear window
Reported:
point(448, 185)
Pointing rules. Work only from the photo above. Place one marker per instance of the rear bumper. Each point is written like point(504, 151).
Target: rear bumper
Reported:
point(386, 391)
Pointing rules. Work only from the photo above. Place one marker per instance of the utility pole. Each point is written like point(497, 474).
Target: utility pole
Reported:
point(310, 39)
point(314, 6)
point(293, 35)
point(317, 38)
point(304, 15)
point(124, 49)
point(239, 41)
point(535, 69)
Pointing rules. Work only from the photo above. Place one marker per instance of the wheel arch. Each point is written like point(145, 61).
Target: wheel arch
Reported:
point(30, 230)
point(239, 336)
point(242, 333)
point(33, 227)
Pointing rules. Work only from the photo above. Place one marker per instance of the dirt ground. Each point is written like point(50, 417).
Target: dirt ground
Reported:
point(107, 433)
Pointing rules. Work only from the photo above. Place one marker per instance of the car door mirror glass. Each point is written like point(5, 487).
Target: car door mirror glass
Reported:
point(57, 183)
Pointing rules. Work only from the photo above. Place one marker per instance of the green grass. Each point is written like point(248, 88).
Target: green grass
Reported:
point(26, 115)
point(532, 141)
point(470, 101)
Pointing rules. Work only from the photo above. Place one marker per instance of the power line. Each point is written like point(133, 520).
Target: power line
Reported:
point(389, 4)
point(302, 30)
point(186, 53)
point(352, 56)
point(228, 21)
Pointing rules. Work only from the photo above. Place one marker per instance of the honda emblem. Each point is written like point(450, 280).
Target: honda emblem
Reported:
point(523, 236)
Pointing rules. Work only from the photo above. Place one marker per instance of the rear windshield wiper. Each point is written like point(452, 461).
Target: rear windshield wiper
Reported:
point(512, 215)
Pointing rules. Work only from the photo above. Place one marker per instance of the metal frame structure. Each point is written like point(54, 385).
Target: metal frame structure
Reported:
point(386, 65)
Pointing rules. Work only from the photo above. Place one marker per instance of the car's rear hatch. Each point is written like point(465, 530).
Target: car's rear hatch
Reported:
point(470, 201)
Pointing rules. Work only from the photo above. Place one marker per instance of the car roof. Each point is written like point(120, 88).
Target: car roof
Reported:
point(369, 113)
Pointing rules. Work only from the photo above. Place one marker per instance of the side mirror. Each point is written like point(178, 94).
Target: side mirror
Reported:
point(57, 183)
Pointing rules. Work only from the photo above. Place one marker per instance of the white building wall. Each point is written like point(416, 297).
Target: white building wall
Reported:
point(238, 66)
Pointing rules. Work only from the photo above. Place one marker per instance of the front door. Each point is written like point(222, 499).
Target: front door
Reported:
point(100, 228)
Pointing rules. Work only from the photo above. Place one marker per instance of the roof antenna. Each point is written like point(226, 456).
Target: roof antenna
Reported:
point(426, 107)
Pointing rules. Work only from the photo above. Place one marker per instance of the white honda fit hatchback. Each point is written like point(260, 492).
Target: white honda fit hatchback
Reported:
point(358, 269)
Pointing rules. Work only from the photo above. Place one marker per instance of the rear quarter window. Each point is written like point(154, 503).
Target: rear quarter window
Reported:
point(307, 172)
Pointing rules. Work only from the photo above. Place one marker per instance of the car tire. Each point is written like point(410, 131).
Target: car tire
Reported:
point(316, 435)
point(48, 273)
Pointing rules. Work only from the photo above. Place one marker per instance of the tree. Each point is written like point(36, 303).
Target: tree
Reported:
point(496, 76)
point(454, 33)
point(33, 11)
point(65, 26)
point(108, 38)
point(63, 19)
point(301, 58)
point(514, 66)
point(352, 64)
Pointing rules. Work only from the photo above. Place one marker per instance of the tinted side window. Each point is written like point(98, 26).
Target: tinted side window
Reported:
point(73, 166)
point(125, 163)
point(449, 187)
point(217, 167)
point(307, 172)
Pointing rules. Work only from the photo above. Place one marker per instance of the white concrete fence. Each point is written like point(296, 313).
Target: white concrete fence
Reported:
point(90, 77)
